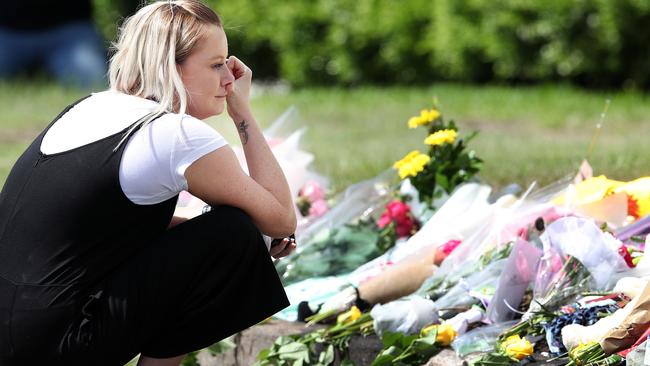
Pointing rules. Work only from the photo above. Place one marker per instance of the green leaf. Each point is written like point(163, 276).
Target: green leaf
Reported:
point(383, 360)
point(190, 360)
point(425, 347)
point(327, 356)
point(282, 340)
point(263, 354)
point(294, 351)
point(391, 338)
point(493, 359)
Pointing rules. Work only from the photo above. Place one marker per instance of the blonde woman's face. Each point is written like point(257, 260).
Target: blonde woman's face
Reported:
point(205, 75)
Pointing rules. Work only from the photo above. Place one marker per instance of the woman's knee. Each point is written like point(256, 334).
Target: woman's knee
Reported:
point(232, 219)
point(224, 228)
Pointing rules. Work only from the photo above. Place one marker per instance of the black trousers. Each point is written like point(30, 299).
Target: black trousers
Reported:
point(198, 283)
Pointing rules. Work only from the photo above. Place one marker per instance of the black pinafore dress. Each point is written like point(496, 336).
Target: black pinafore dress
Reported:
point(88, 277)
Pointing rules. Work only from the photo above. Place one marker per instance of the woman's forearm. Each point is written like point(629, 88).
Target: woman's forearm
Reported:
point(262, 165)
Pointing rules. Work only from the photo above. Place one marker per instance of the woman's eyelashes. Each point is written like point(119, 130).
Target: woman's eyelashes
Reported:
point(218, 66)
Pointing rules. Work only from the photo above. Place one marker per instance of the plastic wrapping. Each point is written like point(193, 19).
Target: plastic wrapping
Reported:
point(519, 272)
point(640, 356)
point(488, 243)
point(469, 290)
point(462, 321)
point(408, 315)
point(641, 226)
point(283, 136)
point(314, 290)
point(458, 218)
point(480, 339)
point(583, 240)
point(465, 209)
point(343, 238)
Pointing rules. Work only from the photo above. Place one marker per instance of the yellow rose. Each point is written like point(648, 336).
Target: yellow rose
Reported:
point(426, 330)
point(349, 316)
point(446, 334)
point(516, 347)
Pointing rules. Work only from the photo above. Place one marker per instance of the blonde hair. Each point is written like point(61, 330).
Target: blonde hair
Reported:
point(150, 45)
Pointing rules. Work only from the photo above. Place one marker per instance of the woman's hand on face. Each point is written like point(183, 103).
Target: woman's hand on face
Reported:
point(238, 96)
point(284, 248)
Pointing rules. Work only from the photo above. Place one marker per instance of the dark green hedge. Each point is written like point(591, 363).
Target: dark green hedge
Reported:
point(601, 43)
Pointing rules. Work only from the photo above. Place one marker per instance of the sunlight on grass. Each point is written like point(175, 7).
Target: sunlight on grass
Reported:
point(533, 133)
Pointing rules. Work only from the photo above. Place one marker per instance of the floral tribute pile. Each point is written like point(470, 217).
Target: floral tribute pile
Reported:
point(426, 257)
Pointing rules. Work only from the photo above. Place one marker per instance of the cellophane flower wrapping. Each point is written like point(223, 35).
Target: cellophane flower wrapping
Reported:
point(578, 256)
point(519, 271)
point(343, 238)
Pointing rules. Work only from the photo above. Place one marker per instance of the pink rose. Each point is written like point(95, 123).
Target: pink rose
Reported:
point(400, 213)
point(312, 191)
point(398, 209)
point(318, 208)
point(404, 227)
point(384, 220)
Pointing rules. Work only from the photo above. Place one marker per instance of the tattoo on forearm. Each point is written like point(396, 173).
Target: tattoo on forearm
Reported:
point(242, 128)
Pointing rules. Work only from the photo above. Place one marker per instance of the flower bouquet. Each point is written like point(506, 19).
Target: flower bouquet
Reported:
point(396, 222)
point(312, 201)
point(319, 347)
point(592, 354)
point(401, 349)
point(508, 351)
point(446, 163)
point(565, 284)
point(343, 238)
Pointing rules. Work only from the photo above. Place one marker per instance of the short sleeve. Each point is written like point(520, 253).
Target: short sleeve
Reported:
point(156, 157)
point(194, 140)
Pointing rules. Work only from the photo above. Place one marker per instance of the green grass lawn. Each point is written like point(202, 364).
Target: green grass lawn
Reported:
point(526, 133)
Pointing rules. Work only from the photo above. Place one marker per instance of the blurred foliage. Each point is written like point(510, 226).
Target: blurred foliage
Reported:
point(596, 43)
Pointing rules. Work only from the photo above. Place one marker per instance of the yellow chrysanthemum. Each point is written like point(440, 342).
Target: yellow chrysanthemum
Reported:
point(412, 164)
point(425, 117)
point(441, 137)
point(414, 122)
point(517, 347)
point(349, 316)
point(407, 159)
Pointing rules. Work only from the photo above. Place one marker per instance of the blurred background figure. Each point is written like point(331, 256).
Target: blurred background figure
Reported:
point(57, 37)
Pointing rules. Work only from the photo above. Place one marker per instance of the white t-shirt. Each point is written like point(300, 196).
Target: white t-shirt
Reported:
point(155, 158)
